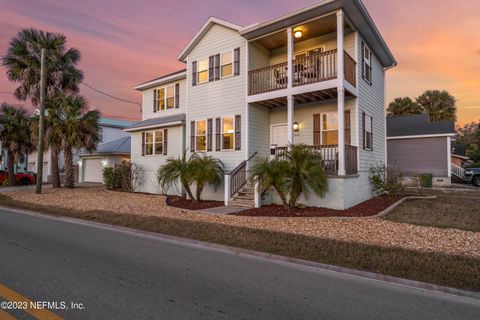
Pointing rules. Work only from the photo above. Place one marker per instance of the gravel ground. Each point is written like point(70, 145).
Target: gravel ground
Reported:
point(373, 231)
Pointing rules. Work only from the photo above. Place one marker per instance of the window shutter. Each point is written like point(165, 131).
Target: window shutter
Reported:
point(363, 60)
point(217, 67)
point(238, 130)
point(165, 141)
point(371, 134)
point(192, 136)
point(363, 130)
point(155, 99)
point(210, 68)
point(236, 61)
point(143, 144)
point(347, 127)
point(177, 95)
point(316, 130)
point(194, 73)
point(370, 69)
point(209, 134)
point(218, 128)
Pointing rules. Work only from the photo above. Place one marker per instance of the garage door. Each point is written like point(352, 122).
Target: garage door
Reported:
point(92, 170)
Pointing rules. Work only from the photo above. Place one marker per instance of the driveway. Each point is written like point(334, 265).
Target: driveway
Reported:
point(116, 274)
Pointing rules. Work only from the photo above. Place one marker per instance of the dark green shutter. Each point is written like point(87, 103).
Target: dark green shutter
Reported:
point(238, 132)
point(236, 61)
point(194, 73)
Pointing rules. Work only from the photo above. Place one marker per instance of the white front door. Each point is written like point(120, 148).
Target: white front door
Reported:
point(279, 135)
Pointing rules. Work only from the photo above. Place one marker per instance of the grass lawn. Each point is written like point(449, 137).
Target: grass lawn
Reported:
point(443, 269)
point(449, 210)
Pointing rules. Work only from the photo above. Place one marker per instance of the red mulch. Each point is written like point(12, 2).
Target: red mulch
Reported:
point(365, 209)
point(181, 202)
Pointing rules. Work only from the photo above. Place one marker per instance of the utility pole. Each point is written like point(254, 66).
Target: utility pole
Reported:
point(41, 129)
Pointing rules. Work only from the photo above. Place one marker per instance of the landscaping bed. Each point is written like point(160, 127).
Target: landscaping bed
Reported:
point(365, 209)
point(184, 203)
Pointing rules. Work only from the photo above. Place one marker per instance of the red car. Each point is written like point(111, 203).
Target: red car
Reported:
point(22, 178)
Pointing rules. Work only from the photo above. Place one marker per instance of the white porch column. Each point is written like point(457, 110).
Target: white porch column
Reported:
point(290, 51)
point(290, 117)
point(449, 155)
point(341, 95)
point(227, 189)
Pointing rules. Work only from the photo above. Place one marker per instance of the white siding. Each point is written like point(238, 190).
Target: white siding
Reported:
point(151, 164)
point(259, 131)
point(147, 102)
point(372, 102)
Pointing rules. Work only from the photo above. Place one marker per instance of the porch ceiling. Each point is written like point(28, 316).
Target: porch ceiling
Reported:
point(304, 98)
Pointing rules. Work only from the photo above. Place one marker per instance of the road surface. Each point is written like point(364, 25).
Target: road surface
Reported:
point(100, 273)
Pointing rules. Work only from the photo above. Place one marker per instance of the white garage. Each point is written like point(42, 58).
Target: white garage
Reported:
point(92, 170)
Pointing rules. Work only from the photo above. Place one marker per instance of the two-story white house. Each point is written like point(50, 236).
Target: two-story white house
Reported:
point(315, 76)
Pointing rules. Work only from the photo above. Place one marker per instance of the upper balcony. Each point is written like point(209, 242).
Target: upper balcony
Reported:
point(313, 48)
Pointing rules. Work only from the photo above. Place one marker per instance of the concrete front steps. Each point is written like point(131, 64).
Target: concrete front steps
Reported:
point(245, 198)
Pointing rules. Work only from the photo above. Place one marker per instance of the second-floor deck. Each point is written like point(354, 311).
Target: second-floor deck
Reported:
point(314, 68)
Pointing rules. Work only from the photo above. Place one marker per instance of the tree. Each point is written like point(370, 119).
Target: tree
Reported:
point(403, 107)
point(301, 173)
point(439, 105)
point(22, 62)
point(14, 135)
point(469, 134)
point(198, 170)
point(75, 126)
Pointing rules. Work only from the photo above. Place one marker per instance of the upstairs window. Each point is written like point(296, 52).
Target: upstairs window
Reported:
point(166, 98)
point(100, 134)
point(367, 132)
point(227, 64)
point(228, 133)
point(202, 74)
point(170, 97)
point(366, 63)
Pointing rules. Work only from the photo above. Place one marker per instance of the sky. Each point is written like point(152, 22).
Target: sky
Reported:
point(124, 43)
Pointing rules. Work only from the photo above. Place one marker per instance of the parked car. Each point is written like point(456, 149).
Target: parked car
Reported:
point(473, 175)
point(22, 178)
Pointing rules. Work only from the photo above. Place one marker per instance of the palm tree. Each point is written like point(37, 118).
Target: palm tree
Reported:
point(207, 170)
point(404, 106)
point(22, 62)
point(175, 170)
point(439, 105)
point(14, 135)
point(299, 174)
point(76, 127)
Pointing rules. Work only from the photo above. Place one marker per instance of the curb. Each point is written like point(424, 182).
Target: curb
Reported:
point(267, 257)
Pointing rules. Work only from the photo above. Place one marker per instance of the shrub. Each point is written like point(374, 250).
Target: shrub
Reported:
point(127, 177)
point(386, 180)
point(111, 178)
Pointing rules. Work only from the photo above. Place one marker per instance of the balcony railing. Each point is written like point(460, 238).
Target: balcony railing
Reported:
point(329, 157)
point(314, 68)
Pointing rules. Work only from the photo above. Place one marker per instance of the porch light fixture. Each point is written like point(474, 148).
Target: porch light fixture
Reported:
point(104, 162)
point(298, 34)
point(296, 127)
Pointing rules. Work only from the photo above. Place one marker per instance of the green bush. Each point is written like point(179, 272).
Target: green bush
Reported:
point(386, 180)
point(111, 178)
point(126, 177)
point(426, 180)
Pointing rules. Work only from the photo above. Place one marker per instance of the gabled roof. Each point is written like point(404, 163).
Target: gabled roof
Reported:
point(355, 12)
point(117, 147)
point(210, 22)
point(418, 125)
point(174, 76)
point(158, 122)
point(114, 123)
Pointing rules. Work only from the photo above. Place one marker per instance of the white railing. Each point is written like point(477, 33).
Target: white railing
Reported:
point(458, 171)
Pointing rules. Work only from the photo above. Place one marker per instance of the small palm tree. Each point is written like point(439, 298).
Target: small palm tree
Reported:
point(403, 107)
point(14, 135)
point(439, 105)
point(175, 170)
point(301, 173)
point(76, 126)
point(207, 170)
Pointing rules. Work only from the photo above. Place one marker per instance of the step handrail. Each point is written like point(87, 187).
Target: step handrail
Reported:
point(238, 176)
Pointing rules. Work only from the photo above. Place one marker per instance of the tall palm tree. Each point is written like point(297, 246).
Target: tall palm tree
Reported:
point(439, 105)
point(14, 135)
point(404, 106)
point(75, 125)
point(22, 62)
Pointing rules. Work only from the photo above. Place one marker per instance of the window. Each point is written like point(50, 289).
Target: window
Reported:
point(165, 98)
point(366, 63)
point(100, 134)
point(170, 97)
point(228, 133)
point(159, 142)
point(367, 132)
point(201, 135)
point(148, 143)
point(329, 128)
point(202, 71)
point(158, 99)
point(227, 64)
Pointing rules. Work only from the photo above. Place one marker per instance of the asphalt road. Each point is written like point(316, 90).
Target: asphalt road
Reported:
point(117, 275)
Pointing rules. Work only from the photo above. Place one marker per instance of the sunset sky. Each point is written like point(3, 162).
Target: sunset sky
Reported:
point(123, 43)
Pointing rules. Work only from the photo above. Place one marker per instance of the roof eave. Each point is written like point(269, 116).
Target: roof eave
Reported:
point(163, 80)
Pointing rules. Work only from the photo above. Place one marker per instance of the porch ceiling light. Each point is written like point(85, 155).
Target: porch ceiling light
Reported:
point(298, 34)
point(296, 127)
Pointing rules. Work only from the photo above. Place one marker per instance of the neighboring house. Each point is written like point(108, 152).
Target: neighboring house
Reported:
point(459, 155)
point(109, 154)
point(20, 163)
point(109, 130)
point(315, 76)
point(417, 146)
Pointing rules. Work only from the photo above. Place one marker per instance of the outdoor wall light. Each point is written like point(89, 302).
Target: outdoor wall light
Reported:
point(79, 162)
point(296, 126)
point(298, 34)
point(104, 161)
